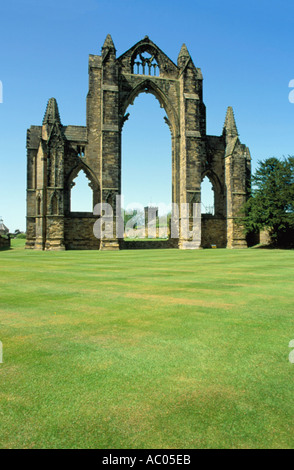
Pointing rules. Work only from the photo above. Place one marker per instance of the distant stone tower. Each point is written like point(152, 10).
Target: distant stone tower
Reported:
point(57, 153)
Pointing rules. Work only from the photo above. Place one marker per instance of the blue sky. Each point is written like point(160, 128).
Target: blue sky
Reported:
point(245, 51)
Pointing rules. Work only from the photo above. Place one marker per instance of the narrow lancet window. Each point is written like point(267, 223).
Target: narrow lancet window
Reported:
point(207, 197)
point(81, 199)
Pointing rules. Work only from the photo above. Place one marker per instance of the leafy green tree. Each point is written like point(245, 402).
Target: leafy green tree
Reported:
point(271, 204)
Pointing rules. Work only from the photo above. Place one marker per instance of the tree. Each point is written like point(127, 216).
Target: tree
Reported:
point(271, 204)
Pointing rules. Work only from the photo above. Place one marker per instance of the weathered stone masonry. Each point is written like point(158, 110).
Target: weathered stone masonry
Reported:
point(57, 153)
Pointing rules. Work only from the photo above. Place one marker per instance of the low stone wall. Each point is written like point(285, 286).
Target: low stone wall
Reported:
point(5, 242)
point(147, 244)
point(78, 233)
point(213, 232)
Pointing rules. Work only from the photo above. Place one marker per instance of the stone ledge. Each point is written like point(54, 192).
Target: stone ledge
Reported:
point(148, 77)
point(193, 134)
point(110, 128)
point(191, 96)
point(110, 88)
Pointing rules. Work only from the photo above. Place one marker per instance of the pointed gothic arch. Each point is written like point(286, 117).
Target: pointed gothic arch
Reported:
point(218, 191)
point(147, 138)
point(81, 168)
point(207, 197)
point(148, 86)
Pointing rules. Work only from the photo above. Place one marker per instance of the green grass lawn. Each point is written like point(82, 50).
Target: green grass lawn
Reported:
point(146, 349)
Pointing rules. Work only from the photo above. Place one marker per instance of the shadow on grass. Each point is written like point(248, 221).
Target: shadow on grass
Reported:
point(272, 247)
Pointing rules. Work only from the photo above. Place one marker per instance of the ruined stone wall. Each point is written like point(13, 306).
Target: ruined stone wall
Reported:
point(56, 153)
point(78, 232)
point(213, 232)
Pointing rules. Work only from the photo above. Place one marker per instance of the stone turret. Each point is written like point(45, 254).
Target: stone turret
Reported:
point(237, 163)
point(51, 118)
point(52, 112)
point(183, 56)
point(108, 47)
point(230, 128)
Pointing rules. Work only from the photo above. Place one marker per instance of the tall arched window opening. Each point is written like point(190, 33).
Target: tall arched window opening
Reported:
point(146, 158)
point(81, 199)
point(207, 197)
